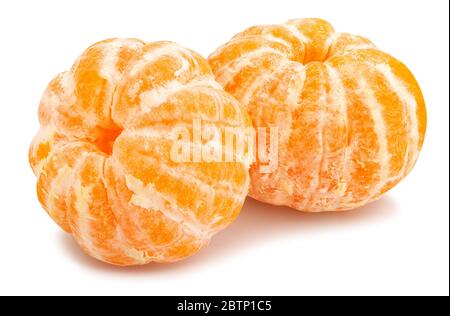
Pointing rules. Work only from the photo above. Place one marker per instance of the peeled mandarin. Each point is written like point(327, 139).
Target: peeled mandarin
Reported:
point(351, 119)
point(102, 156)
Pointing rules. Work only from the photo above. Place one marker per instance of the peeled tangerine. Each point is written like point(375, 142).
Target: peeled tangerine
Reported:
point(102, 156)
point(351, 119)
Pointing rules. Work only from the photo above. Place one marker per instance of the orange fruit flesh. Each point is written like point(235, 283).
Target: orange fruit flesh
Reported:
point(102, 156)
point(351, 118)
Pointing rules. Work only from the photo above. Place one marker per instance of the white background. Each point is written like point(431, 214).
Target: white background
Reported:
point(397, 246)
